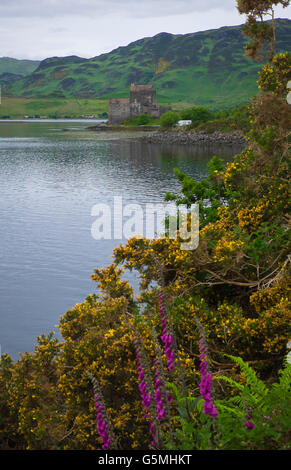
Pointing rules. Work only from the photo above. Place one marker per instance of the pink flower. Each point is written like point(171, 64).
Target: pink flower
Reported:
point(161, 412)
point(249, 424)
point(101, 424)
point(206, 381)
point(167, 338)
point(146, 397)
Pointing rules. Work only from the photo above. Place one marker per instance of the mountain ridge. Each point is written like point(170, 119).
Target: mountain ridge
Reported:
point(203, 68)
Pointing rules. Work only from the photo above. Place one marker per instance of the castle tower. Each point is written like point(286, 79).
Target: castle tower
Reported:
point(142, 100)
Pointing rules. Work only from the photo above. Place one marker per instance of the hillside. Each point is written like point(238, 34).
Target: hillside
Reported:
point(12, 70)
point(203, 68)
point(7, 78)
point(17, 67)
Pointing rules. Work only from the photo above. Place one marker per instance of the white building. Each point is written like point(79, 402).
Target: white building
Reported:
point(184, 123)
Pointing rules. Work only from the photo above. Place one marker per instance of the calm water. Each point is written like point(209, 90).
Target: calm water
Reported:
point(51, 174)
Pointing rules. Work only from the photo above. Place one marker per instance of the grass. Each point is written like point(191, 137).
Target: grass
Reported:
point(18, 107)
point(138, 121)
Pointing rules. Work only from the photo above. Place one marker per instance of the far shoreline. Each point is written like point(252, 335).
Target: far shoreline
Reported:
point(38, 120)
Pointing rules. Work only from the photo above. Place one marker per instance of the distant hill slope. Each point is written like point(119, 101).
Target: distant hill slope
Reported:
point(204, 68)
point(7, 78)
point(12, 70)
point(17, 66)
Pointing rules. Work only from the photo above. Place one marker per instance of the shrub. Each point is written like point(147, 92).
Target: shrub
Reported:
point(169, 119)
point(143, 119)
point(197, 115)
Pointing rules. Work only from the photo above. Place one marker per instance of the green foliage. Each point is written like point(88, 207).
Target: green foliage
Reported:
point(267, 237)
point(268, 406)
point(227, 121)
point(169, 119)
point(197, 115)
point(142, 120)
point(195, 430)
point(240, 118)
point(206, 193)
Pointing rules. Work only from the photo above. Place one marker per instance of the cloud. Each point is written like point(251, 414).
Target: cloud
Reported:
point(133, 8)
point(37, 29)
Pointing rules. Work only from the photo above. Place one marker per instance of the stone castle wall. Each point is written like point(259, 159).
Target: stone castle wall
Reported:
point(142, 100)
point(119, 110)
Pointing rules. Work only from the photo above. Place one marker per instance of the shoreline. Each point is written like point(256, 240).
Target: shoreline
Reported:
point(48, 120)
point(155, 135)
point(183, 137)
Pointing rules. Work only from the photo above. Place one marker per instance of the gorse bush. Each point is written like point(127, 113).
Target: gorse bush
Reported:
point(254, 416)
point(197, 361)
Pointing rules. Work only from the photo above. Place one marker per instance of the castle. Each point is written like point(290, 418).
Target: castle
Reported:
point(142, 100)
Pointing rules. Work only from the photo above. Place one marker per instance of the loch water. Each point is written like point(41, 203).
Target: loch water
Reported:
point(51, 175)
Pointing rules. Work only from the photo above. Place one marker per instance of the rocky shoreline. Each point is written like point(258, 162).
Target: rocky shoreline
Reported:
point(155, 135)
point(189, 138)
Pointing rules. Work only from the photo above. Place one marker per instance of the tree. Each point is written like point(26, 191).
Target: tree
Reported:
point(257, 29)
point(169, 119)
point(197, 114)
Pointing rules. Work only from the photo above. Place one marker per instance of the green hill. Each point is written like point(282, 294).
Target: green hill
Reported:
point(17, 67)
point(204, 68)
point(12, 70)
point(7, 78)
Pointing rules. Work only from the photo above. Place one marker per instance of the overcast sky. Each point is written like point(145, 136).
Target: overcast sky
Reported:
point(37, 29)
